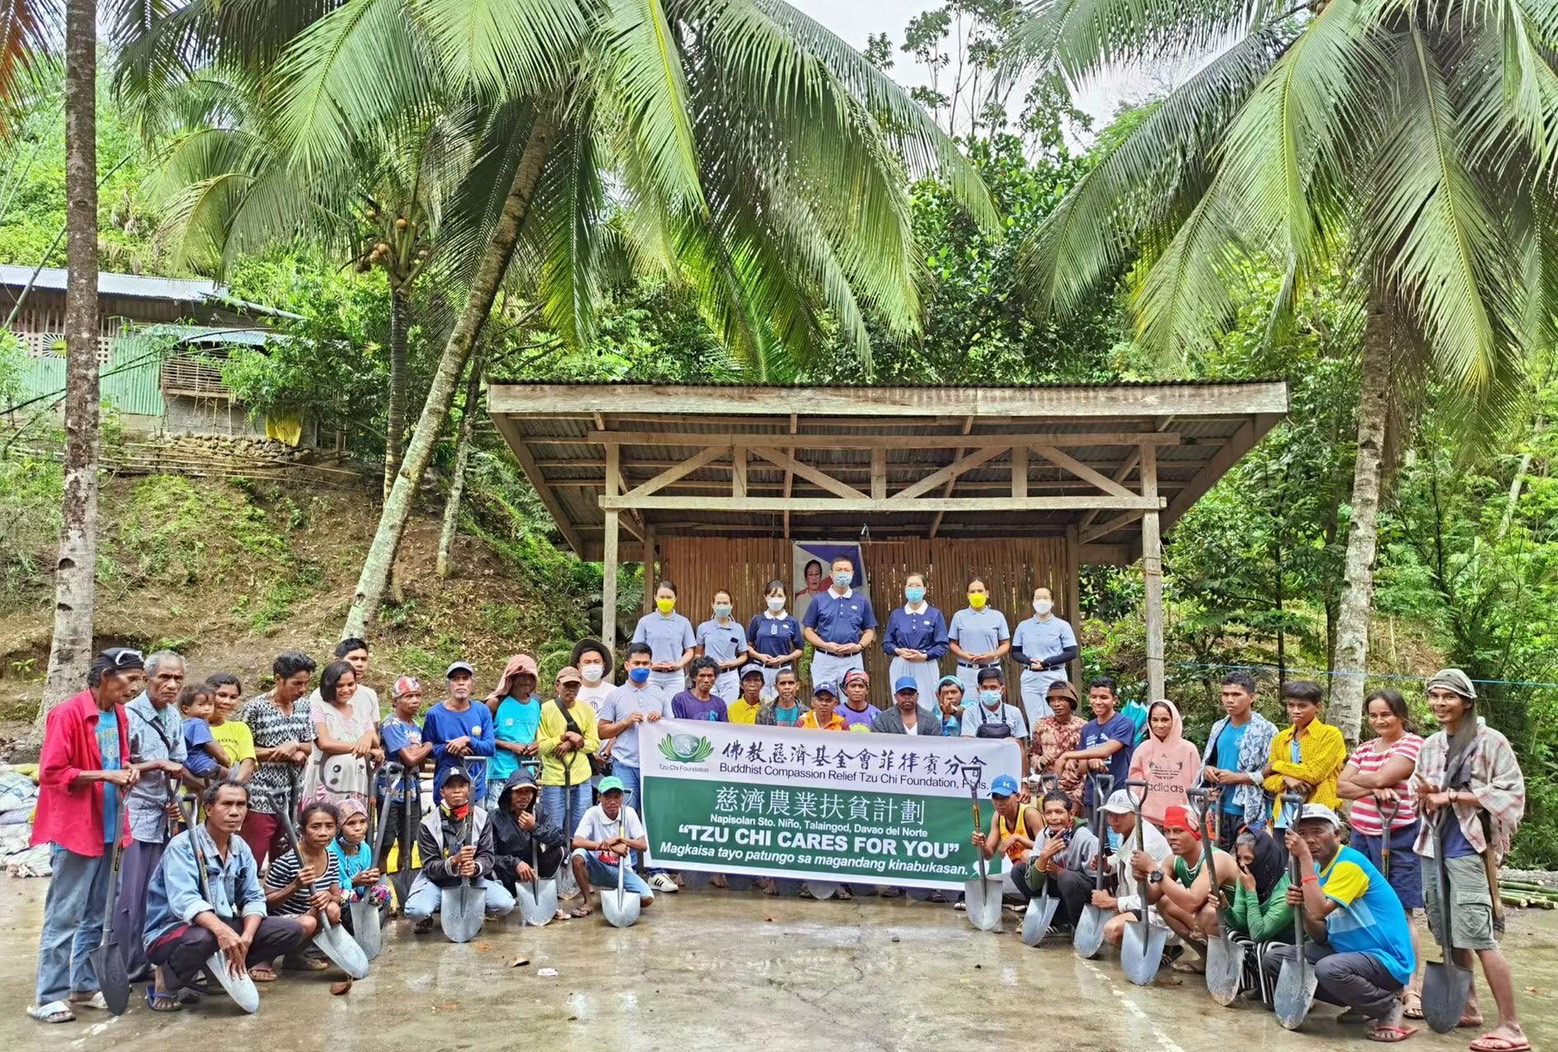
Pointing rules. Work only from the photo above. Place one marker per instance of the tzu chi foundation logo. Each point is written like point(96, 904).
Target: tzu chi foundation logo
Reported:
point(686, 748)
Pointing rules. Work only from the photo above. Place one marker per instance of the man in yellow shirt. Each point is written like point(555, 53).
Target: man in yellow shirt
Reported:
point(1307, 756)
point(568, 736)
point(824, 711)
point(744, 708)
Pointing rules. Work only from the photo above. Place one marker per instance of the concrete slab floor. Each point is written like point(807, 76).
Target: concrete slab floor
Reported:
point(730, 970)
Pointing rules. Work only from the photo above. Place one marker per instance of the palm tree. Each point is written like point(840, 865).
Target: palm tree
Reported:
point(749, 151)
point(1409, 142)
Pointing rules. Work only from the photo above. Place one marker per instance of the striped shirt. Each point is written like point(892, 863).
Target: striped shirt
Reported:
point(284, 871)
point(1369, 758)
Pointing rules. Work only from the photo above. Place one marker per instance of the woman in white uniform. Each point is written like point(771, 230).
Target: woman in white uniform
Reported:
point(671, 643)
point(979, 637)
point(722, 638)
point(1043, 644)
point(916, 638)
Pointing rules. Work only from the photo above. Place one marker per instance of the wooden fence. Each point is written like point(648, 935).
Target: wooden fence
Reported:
point(1010, 568)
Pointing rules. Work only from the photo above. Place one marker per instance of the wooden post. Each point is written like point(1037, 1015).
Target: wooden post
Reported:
point(650, 557)
point(608, 614)
point(1019, 472)
point(738, 472)
point(1074, 596)
point(1152, 573)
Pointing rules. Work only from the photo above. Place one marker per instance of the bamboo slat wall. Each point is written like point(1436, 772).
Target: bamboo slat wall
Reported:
point(1010, 568)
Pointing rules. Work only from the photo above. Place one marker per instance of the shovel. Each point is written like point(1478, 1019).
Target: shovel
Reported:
point(1224, 956)
point(334, 943)
point(1036, 919)
point(567, 885)
point(980, 899)
point(1446, 984)
point(365, 912)
point(403, 872)
point(107, 959)
point(1141, 951)
point(537, 897)
point(1089, 935)
point(620, 908)
point(1296, 982)
point(460, 909)
point(239, 987)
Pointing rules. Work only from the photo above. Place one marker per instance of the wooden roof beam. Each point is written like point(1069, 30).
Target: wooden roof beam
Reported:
point(965, 440)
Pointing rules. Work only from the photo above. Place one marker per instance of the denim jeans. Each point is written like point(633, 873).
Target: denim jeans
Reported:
point(73, 924)
point(552, 799)
point(424, 901)
point(633, 784)
point(604, 875)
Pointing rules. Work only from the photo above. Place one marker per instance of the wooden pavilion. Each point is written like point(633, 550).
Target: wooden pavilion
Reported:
point(1019, 485)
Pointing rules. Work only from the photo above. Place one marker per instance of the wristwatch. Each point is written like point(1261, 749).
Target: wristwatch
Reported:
point(1156, 877)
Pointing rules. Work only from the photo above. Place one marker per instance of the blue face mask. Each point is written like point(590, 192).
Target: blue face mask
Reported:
point(841, 578)
point(989, 698)
point(639, 674)
point(914, 595)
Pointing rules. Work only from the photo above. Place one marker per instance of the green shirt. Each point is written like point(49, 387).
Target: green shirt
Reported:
point(1271, 921)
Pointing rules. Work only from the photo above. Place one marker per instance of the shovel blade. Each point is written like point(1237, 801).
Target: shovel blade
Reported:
point(1089, 935)
point(1446, 987)
point(366, 929)
point(822, 889)
point(1295, 992)
point(460, 912)
point(982, 899)
point(1224, 969)
point(343, 950)
point(1142, 953)
point(620, 907)
point(1036, 919)
point(240, 988)
point(108, 966)
point(537, 902)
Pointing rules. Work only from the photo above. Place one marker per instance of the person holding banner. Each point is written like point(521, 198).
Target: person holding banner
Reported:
point(857, 710)
point(774, 637)
point(785, 710)
point(979, 636)
point(824, 711)
point(670, 638)
point(623, 710)
point(991, 717)
point(840, 624)
point(949, 700)
point(916, 638)
point(701, 703)
point(907, 716)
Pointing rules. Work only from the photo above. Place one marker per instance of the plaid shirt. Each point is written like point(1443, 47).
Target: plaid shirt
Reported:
point(1495, 780)
point(270, 726)
point(1254, 749)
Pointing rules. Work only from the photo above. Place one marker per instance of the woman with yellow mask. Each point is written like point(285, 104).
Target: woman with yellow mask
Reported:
point(979, 636)
point(672, 644)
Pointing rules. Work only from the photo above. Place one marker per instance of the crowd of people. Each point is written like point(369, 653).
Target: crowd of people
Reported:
point(290, 783)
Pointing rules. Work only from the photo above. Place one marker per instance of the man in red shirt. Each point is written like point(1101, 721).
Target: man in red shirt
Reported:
point(83, 773)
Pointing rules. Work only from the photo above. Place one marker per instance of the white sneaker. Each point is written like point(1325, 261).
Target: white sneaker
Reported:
point(661, 882)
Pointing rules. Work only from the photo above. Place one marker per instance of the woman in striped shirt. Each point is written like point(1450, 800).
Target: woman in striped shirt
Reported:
point(1378, 780)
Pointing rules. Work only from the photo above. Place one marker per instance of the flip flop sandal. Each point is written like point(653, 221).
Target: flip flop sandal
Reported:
point(1491, 1042)
point(263, 973)
point(1391, 1034)
point(94, 1001)
point(162, 1002)
point(844, 895)
point(1412, 1006)
point(53, 1012)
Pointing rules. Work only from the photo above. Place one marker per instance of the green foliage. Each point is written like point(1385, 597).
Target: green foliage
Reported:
point(31, 489)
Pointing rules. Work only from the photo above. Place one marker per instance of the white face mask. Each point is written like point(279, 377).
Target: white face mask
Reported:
point(592, 673)
point(775, 603)
point(1042, 606)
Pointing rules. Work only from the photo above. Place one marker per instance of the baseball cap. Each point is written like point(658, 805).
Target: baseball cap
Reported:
point(1321, 812)
point(1119, 803)
point(854, 674)
point(1176, 817)
point(569, 675)
point(608, 784)
point(988, 673)
point(1004, 785)
point(449, 774)
point(119, 659)
point(825, 688)
point(906, 683)
point(1453, 679)
point(751, 669)
point(406, 685)
point(459, 666)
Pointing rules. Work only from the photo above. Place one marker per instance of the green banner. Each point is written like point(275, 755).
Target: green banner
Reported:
point(864, 808)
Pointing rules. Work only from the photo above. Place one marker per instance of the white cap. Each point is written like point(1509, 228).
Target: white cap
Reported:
point(1119, 803)
point(1319, 811)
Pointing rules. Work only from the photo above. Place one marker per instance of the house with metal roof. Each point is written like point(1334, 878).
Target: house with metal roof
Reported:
point(160, 346)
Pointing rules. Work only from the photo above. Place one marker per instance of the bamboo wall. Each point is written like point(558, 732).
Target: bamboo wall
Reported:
point(1011, 568)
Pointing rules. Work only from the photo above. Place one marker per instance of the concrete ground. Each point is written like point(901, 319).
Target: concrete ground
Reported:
point(720, 970)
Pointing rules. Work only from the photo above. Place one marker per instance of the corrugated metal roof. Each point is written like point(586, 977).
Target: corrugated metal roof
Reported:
point(137, 286)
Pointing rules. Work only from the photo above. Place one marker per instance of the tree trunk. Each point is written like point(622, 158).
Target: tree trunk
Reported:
point(1352, 622)
point(400, 325)
point(70, 654)
point(1518, 482)
point(462, 457)
point(419, 451)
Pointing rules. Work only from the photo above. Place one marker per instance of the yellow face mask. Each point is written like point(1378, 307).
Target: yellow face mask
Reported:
point(665, 606)
point(977, 600)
